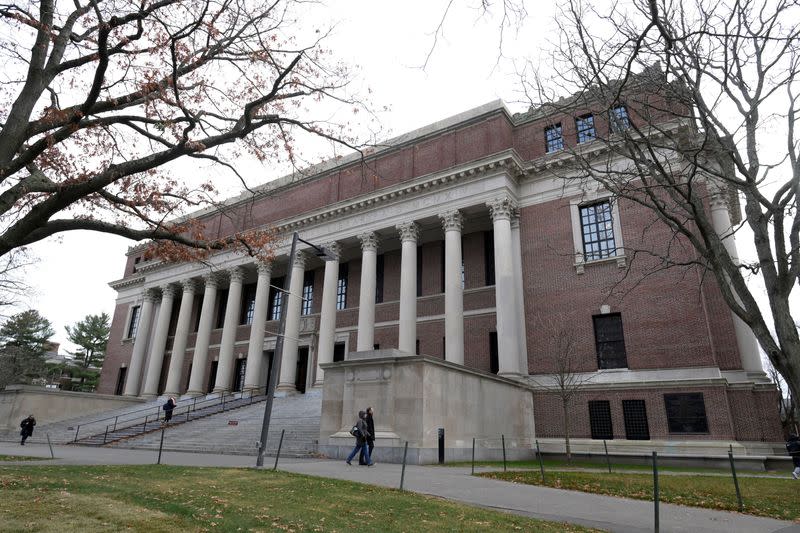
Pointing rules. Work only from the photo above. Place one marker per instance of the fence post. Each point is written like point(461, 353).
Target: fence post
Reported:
point(223, 401)
point(541, 462)
point(503, 437)
point(277, 455)
point(105, 435)
point(735, 480)
point(655, 492)
point(76, 433)
point(144, 429)
point(160, 446)
point(403, 471)
point(52, 455)
point(608, 461)
point(473, 456)
point(115, 423)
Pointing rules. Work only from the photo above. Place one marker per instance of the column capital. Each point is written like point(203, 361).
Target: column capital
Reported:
point(369, 241)
point(452, 220)
point(264, 268)
point(502, 208)
point(211, 280)
point(300, 259)
point(149, 295)
point(167, 290)
point(718, 201)
point(409, 231)
point(333, 248)
point(189, 285)
point(236, 274)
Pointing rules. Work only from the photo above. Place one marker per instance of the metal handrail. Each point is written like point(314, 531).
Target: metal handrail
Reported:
point(204, 404)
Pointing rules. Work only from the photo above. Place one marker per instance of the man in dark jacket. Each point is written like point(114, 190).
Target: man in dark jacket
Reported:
point(361, 435)
point(793, 447)
point(168, 408)
point(27, 428)
point(370, 438)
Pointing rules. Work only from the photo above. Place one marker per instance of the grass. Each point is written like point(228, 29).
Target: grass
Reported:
point(21, 458)
point(770, 497)
point(169, 499)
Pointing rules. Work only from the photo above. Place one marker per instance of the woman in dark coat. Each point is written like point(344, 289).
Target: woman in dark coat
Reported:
point(27, 428)
point(168, 407)
point(370, 439)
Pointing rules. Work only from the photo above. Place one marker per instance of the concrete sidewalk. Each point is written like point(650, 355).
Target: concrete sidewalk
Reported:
point(603, 512)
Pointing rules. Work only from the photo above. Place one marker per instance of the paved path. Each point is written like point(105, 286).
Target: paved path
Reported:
point(604, 512)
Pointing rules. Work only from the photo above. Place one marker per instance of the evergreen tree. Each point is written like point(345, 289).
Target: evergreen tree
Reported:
point(23, 343)
point(91, 336)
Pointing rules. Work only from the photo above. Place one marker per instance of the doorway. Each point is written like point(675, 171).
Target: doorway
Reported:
point(212, 376)
point(302, 369)
point(238, 374)
point(121, 381)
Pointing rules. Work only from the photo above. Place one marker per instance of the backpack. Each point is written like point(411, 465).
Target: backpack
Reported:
point(354, 431)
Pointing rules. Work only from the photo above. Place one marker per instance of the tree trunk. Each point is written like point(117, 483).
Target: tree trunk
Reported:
point(564, 405)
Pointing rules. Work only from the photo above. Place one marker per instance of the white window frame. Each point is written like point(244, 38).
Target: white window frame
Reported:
point(577, 230)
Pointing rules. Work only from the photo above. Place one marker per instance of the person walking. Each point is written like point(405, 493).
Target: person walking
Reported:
point(360, 432)
point(793, 447)
point(27, 428)
point(168, 407)
point(370, 439)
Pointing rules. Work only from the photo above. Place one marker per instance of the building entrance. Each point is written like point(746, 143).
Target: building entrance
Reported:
point(302, 369)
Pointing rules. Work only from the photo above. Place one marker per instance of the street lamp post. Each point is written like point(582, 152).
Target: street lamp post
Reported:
point(275, 370)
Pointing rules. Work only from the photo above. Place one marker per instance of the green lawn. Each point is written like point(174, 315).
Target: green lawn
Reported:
point(169, 499)
point(552, 464)
point(21, 458)
point(772, 497)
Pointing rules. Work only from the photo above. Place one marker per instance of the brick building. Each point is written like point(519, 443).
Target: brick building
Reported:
point(459, 241)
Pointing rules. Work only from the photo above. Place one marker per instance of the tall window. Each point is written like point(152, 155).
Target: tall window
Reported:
point(618, 117)
point(276, 299)
point(584, 125)
point(341, 287)
point(686, 413)
point(133, 325)
point(419, 270)
point(635, 414)
point(494, 353)
point(248, 304)
point(600, 420)
point(609, 341)
point(379, 270)
point(597, 228)
point(553, 139)
point(488, 256)
point(222, 306)
point(308, 292)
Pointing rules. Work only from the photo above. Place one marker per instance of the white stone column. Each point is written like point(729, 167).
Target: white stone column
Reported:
point(327, 318)
point(452, 222)
point(409, 234)
point(291, 331)
point(366, 300)
point(200, 359)
point(233, 309)
point(255, 348)
point(159, 342)
point(140, 344)
point(520, 294)
point(173, 387)
point(745, 339)
point(505, 287)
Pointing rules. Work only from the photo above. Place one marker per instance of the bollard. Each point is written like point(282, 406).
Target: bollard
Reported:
point(503, 437)
point(735, 480)
point(541, 462)
point(52, 455)
point(280, 445)
point(473, 456)
point(403, 471)
point(655, 491)
point(441, 446)
point(608, 461)
point(160, 446)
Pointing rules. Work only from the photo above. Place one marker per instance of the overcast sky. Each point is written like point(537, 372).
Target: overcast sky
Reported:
point(388, 41)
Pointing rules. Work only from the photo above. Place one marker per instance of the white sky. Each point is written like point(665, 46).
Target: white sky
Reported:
point(388, 41)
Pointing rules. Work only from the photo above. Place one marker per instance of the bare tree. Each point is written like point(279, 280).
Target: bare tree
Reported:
point(709, 91)
point(98, 97)
point(568, 374)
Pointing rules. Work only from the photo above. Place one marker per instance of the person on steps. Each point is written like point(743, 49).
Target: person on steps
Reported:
point(168, 408)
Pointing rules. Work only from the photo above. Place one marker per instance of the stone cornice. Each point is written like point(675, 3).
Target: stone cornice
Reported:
point(124, 283)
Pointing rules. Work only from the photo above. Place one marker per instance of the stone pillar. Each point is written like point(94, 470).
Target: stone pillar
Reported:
point(745, 339)
point(291, 332)
point(140, 345)
point(173, 387)
point(233, 308)
point(452, 222)
point(159, 342)
point(200, 360)
point(505, 287)
point(255, 348)
point(520, 294)
point(366, 300)
point(327, 318)
point(409, 233)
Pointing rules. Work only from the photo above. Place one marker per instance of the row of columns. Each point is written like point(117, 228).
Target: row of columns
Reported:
point(509, 306)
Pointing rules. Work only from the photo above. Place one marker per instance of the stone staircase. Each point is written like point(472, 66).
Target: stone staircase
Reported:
point(238, 431)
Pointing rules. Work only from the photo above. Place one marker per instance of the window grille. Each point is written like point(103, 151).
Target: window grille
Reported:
point(618, 117)
point(276, 299)
point(249, 304)
point(308, 293)
point(635, 414)
point(600, 420)
point(222, 306)
point(585, 128)
point(686, 413)
point(609, 341)
point(133, 325)
point(341, 287)
point(597, 228)
point(553, 138)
